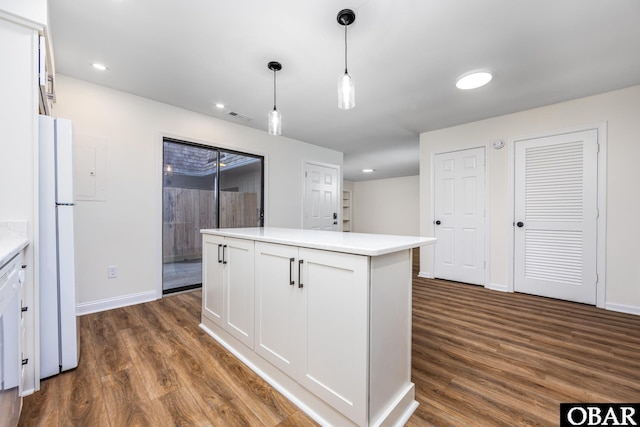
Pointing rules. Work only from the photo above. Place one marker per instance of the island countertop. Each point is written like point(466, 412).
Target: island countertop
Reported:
point(352, 243)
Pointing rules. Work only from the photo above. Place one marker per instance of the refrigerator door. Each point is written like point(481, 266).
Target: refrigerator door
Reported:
point(48, 258)
point(64, 161)
point(67, 289)
point(58, 321)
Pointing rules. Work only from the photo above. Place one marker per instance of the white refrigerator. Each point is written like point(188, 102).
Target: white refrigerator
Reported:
point(59, 345)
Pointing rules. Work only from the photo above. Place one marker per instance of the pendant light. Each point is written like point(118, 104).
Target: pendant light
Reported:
point(274, 117)
point(346, 90)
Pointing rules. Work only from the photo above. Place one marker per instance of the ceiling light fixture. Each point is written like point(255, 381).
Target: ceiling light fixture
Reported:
point(368, 170)
point(274, 117)
point(346, 90)
point(220, 105)
point(99, 66)
point(473, 80)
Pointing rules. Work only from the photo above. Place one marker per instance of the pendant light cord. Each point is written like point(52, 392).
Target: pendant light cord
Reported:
point(274, 89)
point(345, 48)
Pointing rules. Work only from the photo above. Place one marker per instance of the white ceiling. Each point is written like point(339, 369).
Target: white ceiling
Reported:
point(404, 57)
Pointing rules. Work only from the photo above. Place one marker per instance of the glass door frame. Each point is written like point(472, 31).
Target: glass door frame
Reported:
point(216, 188)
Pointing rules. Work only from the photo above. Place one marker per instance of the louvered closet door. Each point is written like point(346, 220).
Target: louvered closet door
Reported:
point(556, 216)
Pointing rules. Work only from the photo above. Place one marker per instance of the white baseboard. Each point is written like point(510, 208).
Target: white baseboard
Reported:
point(116, 302)
point(630, 309)
point(497, 287)
point(425, 275)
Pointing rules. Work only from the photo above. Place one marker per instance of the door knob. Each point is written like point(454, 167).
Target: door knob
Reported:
point(520, 224)
point(438, 222)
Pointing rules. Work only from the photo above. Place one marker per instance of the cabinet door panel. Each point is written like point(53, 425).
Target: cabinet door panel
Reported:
point(277, 303)
point(334, 334)
point(212, 278)
point(239, 289)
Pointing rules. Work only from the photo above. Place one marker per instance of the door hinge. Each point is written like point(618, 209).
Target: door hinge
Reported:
point(305, 174)
point(597, 277)
point(597, 213)
point(597, 148)
point(485, 265)
point(25, 361)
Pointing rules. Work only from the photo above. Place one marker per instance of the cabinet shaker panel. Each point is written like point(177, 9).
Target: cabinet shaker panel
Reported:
point(212, 278)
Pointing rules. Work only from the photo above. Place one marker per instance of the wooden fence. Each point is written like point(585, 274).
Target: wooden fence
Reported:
point(186, 211)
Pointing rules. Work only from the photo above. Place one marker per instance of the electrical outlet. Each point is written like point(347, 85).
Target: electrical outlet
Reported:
point(112, 272)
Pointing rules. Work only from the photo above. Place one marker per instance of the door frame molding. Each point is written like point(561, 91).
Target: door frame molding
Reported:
point(601, 228)
point(338, 195)
point(487, 196)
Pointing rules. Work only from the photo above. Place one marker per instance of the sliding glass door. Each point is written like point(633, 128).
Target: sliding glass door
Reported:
point(204, 187)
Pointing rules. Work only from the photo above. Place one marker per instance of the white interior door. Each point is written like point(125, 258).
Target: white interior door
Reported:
point(556, 216)
point(459, 202)
point(320, 197)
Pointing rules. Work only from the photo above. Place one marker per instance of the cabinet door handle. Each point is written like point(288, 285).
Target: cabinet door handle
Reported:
point(300, 262)
point(291, 281)
point(219, 258)
point(224, 249)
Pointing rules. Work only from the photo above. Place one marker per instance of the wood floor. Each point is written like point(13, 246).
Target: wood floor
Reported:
point(480, 358)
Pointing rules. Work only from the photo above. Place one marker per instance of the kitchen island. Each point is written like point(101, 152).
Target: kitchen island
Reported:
point(323, 316)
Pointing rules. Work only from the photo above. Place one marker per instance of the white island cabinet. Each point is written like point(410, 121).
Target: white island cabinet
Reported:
point(331, 313)
point(228, 285)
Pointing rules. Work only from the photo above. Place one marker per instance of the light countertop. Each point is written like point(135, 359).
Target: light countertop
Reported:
point(13, 239)
point(352, 243)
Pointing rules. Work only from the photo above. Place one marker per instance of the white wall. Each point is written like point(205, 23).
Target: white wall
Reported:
point(621, 110)
point(125, 230)
point(387, 206)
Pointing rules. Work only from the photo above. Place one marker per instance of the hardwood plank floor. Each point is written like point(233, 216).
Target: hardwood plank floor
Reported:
point(151, 365)
point(480, 358)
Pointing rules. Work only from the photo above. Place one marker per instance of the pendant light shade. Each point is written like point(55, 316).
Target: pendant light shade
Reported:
point(275, 122)
point(346, 92)
point(346, 89)
point(274, 118)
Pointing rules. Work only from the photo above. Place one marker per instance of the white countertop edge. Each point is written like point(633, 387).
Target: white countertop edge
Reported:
point(353, 243)
point(11, 247)
point(13, 239)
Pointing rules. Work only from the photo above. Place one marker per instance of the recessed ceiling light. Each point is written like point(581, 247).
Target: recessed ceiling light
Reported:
point(368, 170)
point(473, 80)
point(220, 105)
point(99, 66)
